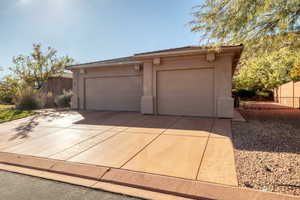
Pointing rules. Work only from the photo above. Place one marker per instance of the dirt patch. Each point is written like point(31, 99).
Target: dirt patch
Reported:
point(267, 150)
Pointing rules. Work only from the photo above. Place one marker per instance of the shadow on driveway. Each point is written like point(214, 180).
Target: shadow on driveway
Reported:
point(28, 124)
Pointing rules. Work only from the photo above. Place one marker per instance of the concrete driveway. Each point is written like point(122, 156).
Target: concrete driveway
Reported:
point(185, 147)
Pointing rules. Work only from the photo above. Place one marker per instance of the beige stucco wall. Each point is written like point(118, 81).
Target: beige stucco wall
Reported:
point(222, 80)
point(223, 86)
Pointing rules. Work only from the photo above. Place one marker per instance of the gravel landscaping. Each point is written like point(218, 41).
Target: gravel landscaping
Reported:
point(267, 150)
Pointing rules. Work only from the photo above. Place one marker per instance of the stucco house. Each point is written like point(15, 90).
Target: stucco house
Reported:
point(189, 81)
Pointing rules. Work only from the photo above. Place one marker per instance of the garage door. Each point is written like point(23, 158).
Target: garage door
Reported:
point(185, 92)
point(113, 93)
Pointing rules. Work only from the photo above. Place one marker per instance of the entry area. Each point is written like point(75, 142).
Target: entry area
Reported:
point(184, 147)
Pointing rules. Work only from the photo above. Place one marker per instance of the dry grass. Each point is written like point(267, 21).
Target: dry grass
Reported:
point(267, 150)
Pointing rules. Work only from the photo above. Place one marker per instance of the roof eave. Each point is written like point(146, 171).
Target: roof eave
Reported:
point(138, 58)
point(235, 49)
point(96, 65)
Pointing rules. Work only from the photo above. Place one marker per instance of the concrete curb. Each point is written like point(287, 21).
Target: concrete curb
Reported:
point(103, 177)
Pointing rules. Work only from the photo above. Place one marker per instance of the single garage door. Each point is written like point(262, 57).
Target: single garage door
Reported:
point(113, 93)
point(186, 92)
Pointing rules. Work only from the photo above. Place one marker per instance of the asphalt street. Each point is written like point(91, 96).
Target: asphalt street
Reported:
point(22, 187)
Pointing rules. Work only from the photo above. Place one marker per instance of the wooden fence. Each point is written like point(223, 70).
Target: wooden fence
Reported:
point(288, 94)
point(54, 87)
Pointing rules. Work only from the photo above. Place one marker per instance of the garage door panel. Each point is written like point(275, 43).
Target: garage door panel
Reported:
point(114, 93)
point(185, 92)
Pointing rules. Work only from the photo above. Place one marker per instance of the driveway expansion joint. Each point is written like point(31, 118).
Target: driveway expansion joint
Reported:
point(155, 138)
point(210, 130)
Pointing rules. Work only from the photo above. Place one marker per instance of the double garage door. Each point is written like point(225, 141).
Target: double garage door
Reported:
point(179, 92)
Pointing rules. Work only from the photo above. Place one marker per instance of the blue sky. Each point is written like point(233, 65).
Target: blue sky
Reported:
point(91, 30)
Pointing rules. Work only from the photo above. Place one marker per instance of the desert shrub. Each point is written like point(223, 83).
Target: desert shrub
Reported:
point(28, 99)
point(64, 100)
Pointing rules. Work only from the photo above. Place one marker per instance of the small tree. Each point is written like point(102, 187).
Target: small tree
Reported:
point(35, 69)
point(8, 89)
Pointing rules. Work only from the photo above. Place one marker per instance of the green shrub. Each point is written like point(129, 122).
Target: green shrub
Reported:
point(64, 100)
point(28, 99)
point(8, 89)
point(264, 94)
point(5, 98)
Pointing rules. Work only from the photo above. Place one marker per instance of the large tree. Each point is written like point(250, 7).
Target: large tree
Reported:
point(264, 26)
point(241, 20)
point(266, 72)
point(36, 68)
